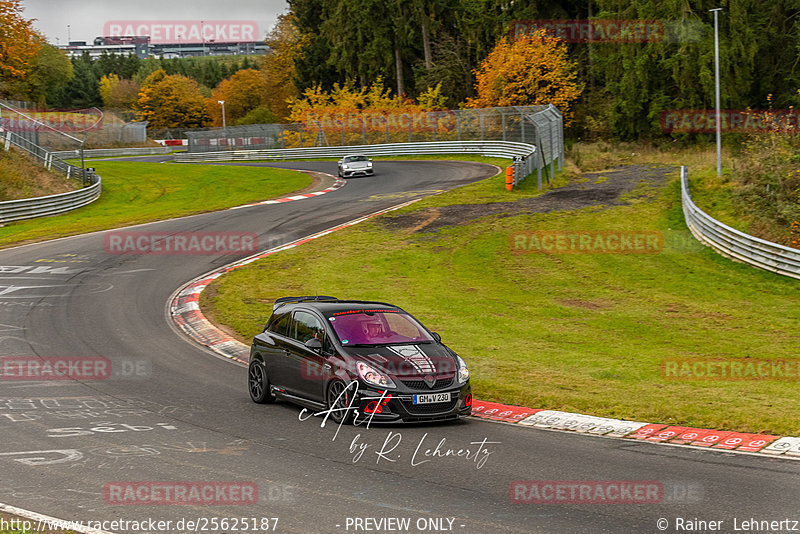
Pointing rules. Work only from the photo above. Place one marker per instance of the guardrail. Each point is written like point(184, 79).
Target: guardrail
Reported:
point(735, 244)
point(29, 208)
point(524, 155)
point(113, 152)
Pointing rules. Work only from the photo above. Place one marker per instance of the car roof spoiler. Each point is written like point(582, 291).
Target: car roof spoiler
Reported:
point(283, 300)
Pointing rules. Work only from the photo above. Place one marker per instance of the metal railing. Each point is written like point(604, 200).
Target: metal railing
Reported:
point(113, 152)
point(735, 244)
point(41, 154)
point(30, 208)
point(542, 126)
point(524, 155)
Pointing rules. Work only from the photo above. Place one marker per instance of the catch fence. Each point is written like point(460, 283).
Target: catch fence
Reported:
point(541, 126)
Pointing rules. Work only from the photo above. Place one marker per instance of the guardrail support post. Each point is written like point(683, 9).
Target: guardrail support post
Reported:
point(552, 152)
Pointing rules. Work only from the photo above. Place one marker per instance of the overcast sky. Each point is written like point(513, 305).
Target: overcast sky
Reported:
point(87, 17)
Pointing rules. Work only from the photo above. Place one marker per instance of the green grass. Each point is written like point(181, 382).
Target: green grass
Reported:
point(21, 176)
point(577, 332)
point(136, 192)
point(715, 196)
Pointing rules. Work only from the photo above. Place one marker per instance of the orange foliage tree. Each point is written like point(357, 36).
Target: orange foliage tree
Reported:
point(370, 112)
point(286, 43)
point(243, 92)
point(528, 71)
point(19, 42)
point(172, 101)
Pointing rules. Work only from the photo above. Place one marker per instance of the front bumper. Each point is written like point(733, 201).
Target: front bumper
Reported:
point(400, 407)
point(350, 173)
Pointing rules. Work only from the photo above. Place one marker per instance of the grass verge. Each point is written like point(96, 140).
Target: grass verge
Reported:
point(491, 190)
point(585, 333)
point(22, 177)
point(136, 192)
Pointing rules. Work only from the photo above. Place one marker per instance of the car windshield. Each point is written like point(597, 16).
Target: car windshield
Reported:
point(377, 327)
point(351, 159)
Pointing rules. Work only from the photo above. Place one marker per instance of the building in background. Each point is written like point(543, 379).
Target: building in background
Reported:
point(143, 48)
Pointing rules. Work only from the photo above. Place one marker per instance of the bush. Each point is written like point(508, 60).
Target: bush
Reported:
point(767, 185)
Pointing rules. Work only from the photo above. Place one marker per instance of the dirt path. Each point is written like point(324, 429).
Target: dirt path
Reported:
point(603, 188)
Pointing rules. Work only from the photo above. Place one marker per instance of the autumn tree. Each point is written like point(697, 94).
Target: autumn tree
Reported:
point(286, 43)
point(19, 42)
point(172, 101)
point(49, 72)
point(243, 92)
point(107, 84)
point(529, 71)
point(118, 94)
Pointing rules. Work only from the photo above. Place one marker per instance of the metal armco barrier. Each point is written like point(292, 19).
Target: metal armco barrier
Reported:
point(113, 152)
point(523, 153)
point(30, 208)
point(735, 244)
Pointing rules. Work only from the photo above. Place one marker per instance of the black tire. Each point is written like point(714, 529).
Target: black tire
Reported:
point(258, 383)
point(335, 389)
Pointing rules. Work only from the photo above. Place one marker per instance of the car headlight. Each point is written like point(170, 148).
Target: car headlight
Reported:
point(372, 377)
point(345, 167)
point(369, 164)
point(463, 371)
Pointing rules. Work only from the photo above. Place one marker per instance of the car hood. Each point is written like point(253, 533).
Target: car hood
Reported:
point(357, 164)
point(409, 360)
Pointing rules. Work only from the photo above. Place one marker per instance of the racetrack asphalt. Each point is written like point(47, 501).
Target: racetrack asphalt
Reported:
point(184, 415)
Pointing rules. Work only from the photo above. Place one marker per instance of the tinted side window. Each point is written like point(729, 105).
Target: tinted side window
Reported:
point(307, 326)
point(279, 324)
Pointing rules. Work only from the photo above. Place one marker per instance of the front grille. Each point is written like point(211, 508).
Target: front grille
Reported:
point(421, 385)
point(425, 409)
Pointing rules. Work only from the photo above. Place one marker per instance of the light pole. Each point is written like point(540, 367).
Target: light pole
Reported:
point(203, 36)
point(716, 83)
point(224, 128)
point(223, 112)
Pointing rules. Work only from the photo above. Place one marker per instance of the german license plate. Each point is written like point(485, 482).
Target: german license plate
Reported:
point(431, 398)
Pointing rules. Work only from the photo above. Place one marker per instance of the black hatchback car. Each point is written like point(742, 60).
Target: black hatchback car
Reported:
point(356, 360)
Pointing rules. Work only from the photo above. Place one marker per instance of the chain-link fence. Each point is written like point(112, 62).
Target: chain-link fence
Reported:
point(39, 140)
point(172, 133)
point(542, 126)
point(92, 126)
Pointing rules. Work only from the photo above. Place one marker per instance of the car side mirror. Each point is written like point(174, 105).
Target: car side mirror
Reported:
point(314, 344)
point(436, 337)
